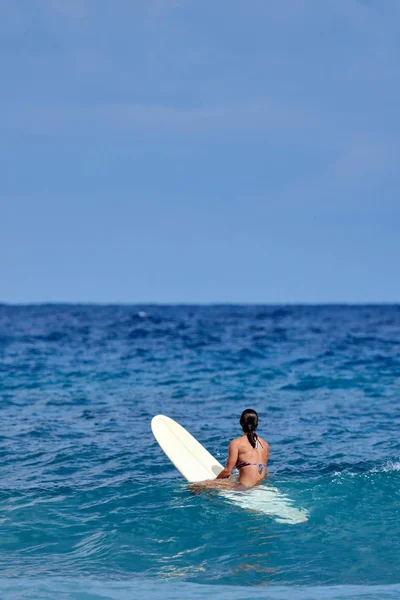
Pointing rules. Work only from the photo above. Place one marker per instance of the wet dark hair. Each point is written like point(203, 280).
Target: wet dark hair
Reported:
point(249, 423)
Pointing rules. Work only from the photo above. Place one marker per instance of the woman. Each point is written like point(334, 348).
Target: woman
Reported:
point(248, 453)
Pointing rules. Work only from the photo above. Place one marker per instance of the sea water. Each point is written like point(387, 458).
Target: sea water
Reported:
point(90, 507)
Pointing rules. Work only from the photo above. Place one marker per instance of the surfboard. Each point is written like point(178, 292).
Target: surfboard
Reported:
point(270, 501)
point(191, 459)
point(195, 463)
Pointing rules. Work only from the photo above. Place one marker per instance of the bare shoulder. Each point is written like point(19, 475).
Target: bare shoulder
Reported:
point(235, 442)
point(235, 445)
point(264, 442)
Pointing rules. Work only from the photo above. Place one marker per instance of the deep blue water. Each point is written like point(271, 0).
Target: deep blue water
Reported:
point(90, 507)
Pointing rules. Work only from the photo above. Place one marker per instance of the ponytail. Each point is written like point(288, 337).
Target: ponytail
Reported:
point(252, 437)
point(249, 423)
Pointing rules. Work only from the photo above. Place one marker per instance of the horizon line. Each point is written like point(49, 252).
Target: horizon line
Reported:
point(202, 304)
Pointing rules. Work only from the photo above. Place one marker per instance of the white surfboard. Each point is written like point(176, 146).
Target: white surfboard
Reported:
point(184, 451)
point(197, 464)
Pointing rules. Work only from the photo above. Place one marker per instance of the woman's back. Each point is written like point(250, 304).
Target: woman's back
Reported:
point(251, 461)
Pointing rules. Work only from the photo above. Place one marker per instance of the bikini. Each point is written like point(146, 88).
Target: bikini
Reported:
point(241, 464)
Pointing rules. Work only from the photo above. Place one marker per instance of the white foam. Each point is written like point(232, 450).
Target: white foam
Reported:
point(388, 467)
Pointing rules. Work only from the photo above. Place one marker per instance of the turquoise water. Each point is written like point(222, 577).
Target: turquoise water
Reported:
point(90, 507)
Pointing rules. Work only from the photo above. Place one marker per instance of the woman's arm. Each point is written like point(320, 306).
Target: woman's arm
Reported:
point(231, 462)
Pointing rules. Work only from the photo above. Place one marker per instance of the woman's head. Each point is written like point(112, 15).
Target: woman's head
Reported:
point(249, 423)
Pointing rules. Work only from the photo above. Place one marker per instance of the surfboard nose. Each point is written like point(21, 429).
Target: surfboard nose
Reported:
point(191, 459)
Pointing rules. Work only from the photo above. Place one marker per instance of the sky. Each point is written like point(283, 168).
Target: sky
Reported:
point(176, 151)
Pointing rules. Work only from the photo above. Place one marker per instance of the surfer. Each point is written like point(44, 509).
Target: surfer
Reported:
point(248, 453)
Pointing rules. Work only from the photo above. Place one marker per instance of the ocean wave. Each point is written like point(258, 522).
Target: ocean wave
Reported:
point(304, 471)
point(86, 492)
point(92, 589)
point(388, 467)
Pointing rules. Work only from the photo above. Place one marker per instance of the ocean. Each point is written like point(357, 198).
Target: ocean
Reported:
point(91, 508)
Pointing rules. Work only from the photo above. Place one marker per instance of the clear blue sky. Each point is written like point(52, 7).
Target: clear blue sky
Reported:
point(186, 151)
